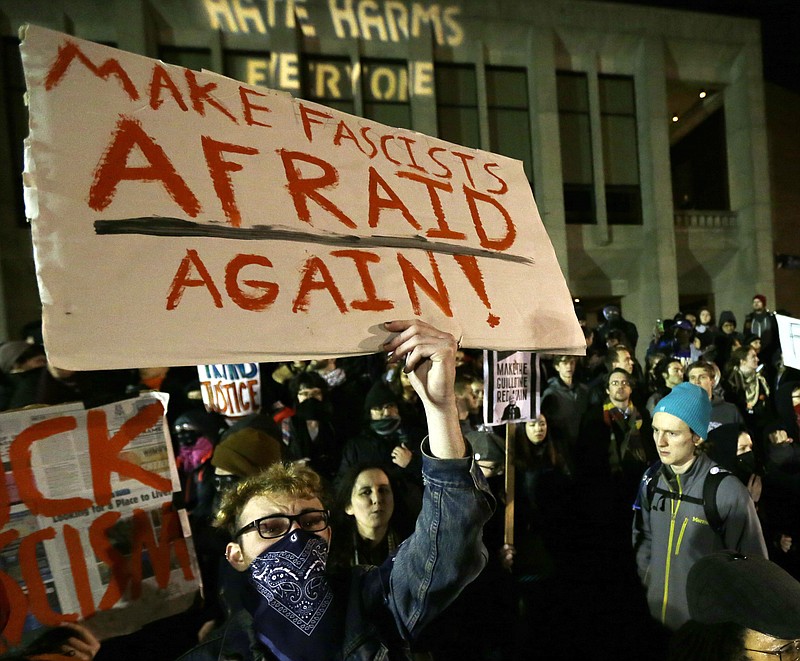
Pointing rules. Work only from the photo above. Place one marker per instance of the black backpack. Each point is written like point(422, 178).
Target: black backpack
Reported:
point(709, 501)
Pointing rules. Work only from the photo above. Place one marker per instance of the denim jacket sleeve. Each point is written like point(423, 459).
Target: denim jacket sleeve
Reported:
point(446, 552)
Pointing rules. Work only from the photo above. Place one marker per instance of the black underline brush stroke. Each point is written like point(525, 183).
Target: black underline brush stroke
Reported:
point(175, 227)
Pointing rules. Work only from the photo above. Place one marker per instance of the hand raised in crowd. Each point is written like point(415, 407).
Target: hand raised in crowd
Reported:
point(430, 362)
point(429, 358)
point(401, 456)
point(779, 437)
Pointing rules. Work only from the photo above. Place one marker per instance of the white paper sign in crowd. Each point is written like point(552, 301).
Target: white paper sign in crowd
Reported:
point(183, 218)
point(789, 331)
point(509, 387)
point(87, 519)
point(232, 390)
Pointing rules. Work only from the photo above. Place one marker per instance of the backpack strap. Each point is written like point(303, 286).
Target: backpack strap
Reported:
point(710, 487)
point(647, 486)
point(674, 495)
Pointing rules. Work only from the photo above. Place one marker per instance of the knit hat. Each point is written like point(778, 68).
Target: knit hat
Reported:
point(246, 452)
point(749, 591)
point(761, 298)
point(750, 337)
point(486, 446)
point(726, 315)
point(379, 395)
point(689, 403)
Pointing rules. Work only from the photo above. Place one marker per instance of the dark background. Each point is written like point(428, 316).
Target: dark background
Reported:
point(780, 30)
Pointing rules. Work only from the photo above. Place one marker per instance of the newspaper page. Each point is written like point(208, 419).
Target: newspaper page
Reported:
point(87, 523)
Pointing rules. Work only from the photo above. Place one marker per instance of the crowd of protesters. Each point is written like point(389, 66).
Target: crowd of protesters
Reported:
point(567, 584)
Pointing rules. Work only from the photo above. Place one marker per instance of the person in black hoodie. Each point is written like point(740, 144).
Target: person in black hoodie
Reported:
point(310, 435)
point(727, 339)
point(385, 439)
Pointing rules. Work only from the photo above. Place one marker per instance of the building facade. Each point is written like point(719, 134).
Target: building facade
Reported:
point(642, 130)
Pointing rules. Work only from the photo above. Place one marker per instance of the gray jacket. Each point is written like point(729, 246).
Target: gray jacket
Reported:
point(671, 534)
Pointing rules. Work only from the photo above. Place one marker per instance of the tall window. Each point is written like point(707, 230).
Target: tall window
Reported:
point(329, 81)
point(620, 150)
point(17, 114)
point(576, 147)
point(700, 166)
point(509, 114)
point(457, 104)
point(385, 92)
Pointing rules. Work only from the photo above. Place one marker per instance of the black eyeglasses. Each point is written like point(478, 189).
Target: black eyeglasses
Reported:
point(789, 652)
point(277, 525)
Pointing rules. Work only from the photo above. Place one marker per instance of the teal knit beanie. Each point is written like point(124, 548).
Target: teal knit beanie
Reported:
point(689, 403)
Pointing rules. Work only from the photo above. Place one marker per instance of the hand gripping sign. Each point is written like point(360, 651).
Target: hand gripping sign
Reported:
point(183, 218)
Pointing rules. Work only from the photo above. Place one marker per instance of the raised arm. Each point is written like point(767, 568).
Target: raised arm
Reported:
point(446, 550)
point(430, 362)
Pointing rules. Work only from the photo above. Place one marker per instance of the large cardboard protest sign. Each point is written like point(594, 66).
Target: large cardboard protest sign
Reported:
point(87, 527)
point(183, 218)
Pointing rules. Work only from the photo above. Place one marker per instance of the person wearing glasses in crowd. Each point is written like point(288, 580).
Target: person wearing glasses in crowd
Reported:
point(244, 451)
point(616, 438)
point(279, 525)
point(613, 450)
point(743, 608)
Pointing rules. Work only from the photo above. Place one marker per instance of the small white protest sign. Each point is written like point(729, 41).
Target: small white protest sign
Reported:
point(789, 330)
point(509, 387)
point(232, 390)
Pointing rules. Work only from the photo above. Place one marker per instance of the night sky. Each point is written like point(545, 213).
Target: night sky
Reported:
point(780, 30)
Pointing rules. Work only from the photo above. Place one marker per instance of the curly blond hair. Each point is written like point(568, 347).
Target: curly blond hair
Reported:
point(278, 481)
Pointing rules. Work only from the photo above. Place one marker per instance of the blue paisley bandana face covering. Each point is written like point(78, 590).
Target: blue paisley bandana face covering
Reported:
point(295, 618)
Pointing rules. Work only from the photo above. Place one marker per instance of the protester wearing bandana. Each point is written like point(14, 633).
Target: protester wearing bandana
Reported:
point(298, 611)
